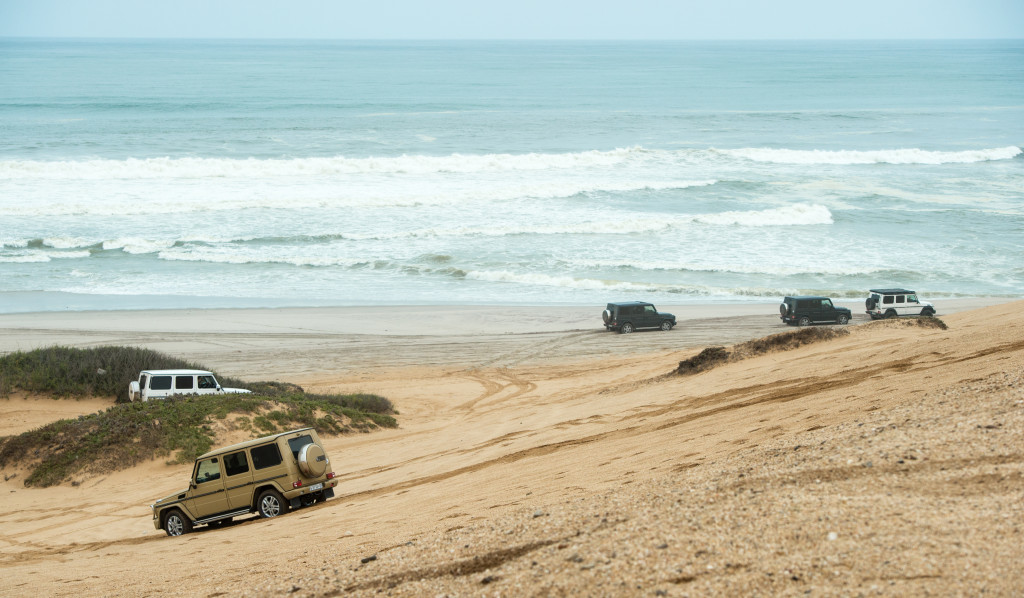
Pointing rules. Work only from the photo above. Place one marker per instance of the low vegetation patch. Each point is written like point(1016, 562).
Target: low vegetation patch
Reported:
point(65, 372)
point(784, 341)
point(178, 428)
point(912, 322)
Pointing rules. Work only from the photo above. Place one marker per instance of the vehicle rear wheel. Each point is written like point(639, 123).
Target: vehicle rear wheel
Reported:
point(804, 321)
point(666, 325)
point(270, 504)
point(176, 524)
point(890, 313)
point(626, 328)
point(843, 319)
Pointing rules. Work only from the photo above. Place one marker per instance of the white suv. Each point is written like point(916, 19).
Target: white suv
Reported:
point(889, 303)
point(160, 384)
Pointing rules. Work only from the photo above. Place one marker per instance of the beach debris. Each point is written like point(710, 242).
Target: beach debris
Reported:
point(367, 559)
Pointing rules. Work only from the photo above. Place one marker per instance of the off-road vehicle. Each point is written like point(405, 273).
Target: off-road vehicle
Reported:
point(160, 384)
point(889, 303)
point(633, 315)
point(805, 310)
point(267, 476)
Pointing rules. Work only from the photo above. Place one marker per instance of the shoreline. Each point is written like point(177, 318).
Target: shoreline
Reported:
point(396, 319)
point(303, 345)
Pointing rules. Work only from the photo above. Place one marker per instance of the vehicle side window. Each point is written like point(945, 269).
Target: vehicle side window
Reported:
point(236, 463)
point(207, 471)
point(887, 299)
point(911, 298)
point(804, 304)
point(265, 456)
point(142, 380)
point(183, 382)
point(900, 298)
point(296, 444)
point(160, 383)
point(207, 382)
point(649, 310)
point(826, 303)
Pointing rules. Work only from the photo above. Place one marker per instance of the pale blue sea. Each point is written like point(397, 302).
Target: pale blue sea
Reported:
point(137, 174)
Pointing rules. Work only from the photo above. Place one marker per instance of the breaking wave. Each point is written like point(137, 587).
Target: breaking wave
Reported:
point(247, 168)
point(895, 156)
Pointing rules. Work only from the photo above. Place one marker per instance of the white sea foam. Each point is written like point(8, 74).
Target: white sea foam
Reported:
point(24, 258)
point(175, 197)
point(893, 156)
point(202, 168)
point(761, 268)
point(137, 245)
point(794, 215)
point(563, 281)
point(248, 168)
point(41, 256)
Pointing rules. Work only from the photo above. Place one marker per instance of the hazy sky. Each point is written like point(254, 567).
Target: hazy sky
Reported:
point(515, 19)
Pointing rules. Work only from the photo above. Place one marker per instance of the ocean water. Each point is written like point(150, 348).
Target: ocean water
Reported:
point(140, 174)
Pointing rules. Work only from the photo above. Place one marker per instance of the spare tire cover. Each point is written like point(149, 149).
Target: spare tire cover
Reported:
point(783, 308)
point(870, 303)
point(312, 461)
point(607, 315)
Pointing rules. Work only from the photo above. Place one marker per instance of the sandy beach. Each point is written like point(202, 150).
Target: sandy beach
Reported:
point(539, 455)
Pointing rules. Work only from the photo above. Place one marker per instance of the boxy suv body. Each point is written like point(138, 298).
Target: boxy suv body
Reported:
point(160, 384)
point(632, 315)
point(267, 476)
point(889, 303)
point(803, 311)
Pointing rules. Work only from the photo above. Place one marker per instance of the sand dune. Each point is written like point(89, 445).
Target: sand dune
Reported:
point(888, 461)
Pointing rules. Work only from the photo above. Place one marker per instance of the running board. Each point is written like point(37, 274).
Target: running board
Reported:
point(238, 513)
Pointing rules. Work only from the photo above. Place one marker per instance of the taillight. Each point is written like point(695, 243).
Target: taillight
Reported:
point(330, 476)
point(297, 484)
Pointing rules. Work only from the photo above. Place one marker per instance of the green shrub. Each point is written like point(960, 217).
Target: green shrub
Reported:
point(177, 428)
point(69, 372)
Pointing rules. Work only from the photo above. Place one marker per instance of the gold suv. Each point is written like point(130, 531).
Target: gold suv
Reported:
point(268, 476)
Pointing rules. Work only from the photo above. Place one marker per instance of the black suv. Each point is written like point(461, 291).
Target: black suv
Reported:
point(806, 310)
point(631, 315)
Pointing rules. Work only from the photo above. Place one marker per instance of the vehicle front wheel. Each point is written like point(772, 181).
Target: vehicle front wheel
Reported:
point(270, 504)
point(843, 319)
point(176, 524)
point(666, 325)
point(928, 312)
point(804, 321)
point(626, 328)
